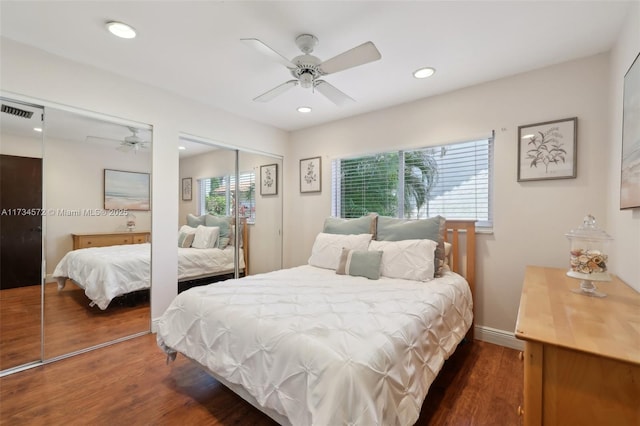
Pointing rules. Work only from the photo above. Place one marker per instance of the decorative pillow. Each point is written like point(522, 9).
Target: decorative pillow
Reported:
point(222, 222)
point(186, 234)
point(360, 263)
point(361, 225)
point(394, 229)
point(327, 248)
point(194, 221)
point(206, 237)
point(407, 259)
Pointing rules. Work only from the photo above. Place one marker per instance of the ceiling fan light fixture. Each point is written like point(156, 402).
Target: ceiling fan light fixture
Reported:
point(121, 29)
point(182, 148)
point(424, 72)
point(304, 109)
point(37, 129)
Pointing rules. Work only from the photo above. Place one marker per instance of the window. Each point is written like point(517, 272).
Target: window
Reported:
point(217, 195)
point(451, 180)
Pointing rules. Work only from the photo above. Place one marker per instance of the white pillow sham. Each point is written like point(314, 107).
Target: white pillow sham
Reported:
point(206, 237)
point(327, 248)
point(407, 259)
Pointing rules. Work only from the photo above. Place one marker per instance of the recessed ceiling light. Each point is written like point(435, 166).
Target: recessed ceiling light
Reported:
point(120, 29)
point(424, 72)
point(304, 109)
point(37, 129)
point(182, 148)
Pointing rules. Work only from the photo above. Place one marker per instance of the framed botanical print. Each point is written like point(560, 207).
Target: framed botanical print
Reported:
point(269, 179)
point(548, 150)
point(187, 189)
point(311, 174)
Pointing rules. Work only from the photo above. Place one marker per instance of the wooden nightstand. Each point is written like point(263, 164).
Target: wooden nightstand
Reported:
point(582, 354)
point(102, 239)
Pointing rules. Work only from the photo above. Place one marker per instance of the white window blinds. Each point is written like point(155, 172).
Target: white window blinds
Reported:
point(451, 180)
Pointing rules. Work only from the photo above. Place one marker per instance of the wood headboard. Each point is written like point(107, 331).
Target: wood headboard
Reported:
point(468, 270)
point(245, 242)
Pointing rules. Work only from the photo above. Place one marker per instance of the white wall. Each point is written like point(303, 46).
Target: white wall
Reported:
point(530, 219)
point(34, 75)
point(623, 225)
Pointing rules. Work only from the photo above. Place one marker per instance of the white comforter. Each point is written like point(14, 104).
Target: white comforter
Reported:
point(107, 272)
point(321, 348)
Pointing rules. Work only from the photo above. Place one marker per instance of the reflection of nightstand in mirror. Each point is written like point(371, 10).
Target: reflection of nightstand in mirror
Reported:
point(102, 239)
point(582, 354)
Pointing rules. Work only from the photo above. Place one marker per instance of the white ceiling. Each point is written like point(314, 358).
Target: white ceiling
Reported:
point(193, 48)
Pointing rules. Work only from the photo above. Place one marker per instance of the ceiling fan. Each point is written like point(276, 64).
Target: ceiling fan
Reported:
point(308, 70)
point(132, 142)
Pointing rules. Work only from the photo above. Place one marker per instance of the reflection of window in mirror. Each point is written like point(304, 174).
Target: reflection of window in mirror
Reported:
point(217, 195)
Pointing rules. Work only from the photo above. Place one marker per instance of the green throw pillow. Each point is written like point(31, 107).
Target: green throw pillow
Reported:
point(360, 263)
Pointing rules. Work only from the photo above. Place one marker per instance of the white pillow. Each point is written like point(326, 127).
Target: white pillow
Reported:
point(206, 237)
point(327, 248)
point(407, 259)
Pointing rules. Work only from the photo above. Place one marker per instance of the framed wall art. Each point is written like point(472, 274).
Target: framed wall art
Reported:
point(311, 175)
point(269, 179)
point(187, 189)
point(548, 150)
point(126, 190)
point(630, 167)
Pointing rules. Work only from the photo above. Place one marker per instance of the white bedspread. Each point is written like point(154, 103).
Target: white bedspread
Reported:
point(321, 348)
point(107, 272)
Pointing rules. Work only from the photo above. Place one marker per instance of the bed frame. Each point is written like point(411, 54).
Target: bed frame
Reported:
point(463, 258)
point(462, 262)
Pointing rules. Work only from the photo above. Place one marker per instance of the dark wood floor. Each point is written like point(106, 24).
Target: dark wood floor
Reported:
point(130, 383)
point(70, 324)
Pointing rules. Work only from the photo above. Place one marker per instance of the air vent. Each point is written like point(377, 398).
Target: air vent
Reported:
point(16, 111)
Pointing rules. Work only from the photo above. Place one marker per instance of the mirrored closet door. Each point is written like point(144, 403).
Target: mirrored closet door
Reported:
point(97, 188)
point(222, 184)
point(72, 182)
point(21, 224)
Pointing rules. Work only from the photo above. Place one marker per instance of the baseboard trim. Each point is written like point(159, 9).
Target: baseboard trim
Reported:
point(498, 337)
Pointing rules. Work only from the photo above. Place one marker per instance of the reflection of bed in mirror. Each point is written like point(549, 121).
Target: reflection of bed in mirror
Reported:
point(106, 273)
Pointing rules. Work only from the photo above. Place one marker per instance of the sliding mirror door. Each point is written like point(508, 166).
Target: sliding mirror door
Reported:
point(21, 224)
point(261, 203)
point(220, 184)
point(97, 178)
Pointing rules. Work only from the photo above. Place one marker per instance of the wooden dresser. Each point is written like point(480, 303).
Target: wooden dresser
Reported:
point(102, 239)
point(582, 354)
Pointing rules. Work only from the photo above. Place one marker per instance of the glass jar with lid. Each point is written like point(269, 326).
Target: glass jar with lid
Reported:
point(589, 256)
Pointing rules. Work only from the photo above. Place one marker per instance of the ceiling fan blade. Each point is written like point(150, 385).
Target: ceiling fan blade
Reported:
point(276, 91)
point(360, 55)
point(100, 138)
point(334, 95)
point(266, 50)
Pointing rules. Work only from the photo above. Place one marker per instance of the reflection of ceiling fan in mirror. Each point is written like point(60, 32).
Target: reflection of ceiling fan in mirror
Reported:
point(308, 70)
point(132, 142)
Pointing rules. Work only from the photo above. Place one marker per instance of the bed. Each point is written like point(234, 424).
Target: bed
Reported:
point(313, 346)
point(105, 273)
